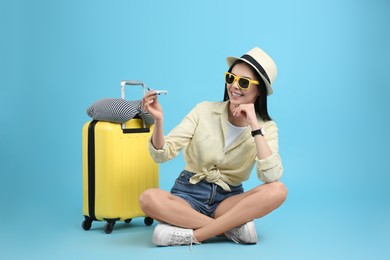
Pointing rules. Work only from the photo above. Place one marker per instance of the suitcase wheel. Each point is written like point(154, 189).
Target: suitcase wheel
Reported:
point(128, 220)
point(87, 223)
point(109, 227)
point(148, 221)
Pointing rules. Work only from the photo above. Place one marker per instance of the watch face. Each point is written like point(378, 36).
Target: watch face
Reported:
point(262, 131)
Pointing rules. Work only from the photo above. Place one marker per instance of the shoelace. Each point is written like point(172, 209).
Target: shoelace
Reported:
point(179, 238)
point(193, 240)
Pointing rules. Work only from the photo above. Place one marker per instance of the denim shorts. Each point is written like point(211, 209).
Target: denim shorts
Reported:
point(204, 197)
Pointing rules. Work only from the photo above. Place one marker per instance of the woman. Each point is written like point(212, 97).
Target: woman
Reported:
point(222, 142)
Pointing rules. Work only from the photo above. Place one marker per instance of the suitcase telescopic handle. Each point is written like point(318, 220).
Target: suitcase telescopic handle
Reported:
point(132, 83)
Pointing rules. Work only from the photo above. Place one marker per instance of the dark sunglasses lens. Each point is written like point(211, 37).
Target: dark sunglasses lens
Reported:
point(244, 83)
point(229, 78)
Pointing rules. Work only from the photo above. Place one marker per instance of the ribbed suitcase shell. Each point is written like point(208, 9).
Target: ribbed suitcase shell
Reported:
point(123, 170)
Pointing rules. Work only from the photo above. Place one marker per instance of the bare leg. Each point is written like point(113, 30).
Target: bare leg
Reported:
point(168, 208)
point(243, 208)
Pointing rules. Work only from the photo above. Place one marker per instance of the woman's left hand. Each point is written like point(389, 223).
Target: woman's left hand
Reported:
point(248, 113)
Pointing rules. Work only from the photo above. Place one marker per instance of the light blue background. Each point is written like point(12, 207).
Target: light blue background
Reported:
point(330, 103)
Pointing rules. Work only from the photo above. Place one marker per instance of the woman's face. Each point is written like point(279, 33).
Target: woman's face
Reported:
point(238, 95)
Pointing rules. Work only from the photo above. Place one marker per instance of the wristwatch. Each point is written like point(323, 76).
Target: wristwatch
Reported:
point(258, 132)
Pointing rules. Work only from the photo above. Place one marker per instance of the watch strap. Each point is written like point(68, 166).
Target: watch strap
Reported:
point(257, 132)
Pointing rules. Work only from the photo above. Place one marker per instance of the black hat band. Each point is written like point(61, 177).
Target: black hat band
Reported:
point(257, 65)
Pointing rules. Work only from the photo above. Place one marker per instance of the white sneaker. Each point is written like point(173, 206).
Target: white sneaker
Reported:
point(244, 234)
point(167, 235)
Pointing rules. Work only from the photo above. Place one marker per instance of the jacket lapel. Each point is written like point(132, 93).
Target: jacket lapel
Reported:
point(223, 122)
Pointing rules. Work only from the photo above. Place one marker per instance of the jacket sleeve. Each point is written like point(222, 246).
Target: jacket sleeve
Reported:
point(178, 138)
point(270, 169)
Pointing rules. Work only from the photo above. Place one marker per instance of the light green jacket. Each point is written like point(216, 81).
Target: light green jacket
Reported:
point(202, 135)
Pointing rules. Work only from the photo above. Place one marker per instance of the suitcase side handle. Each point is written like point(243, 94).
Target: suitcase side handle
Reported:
point(132, 83)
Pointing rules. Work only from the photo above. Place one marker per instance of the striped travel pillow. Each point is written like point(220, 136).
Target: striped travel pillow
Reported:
point(118, 110)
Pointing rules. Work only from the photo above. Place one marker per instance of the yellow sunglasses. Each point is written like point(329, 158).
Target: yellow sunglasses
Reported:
point(243, 83)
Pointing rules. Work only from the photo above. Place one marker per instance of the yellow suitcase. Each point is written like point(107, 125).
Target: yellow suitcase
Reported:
point(117, 168)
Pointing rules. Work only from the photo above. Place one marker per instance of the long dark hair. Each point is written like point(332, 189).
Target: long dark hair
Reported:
point(261, 101)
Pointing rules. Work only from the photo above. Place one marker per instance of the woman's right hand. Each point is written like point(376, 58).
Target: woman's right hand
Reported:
point(151, 105)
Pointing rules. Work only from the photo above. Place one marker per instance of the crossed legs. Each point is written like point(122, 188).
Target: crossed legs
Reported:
point(232, 212)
